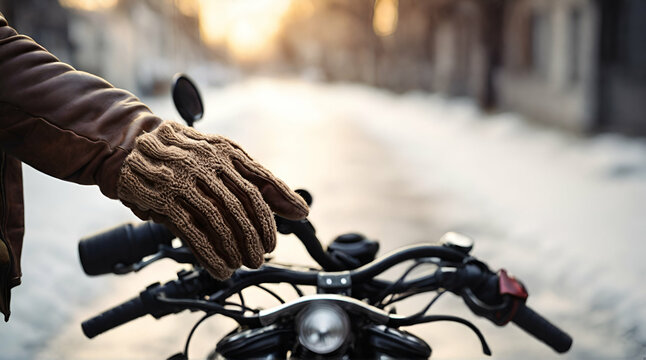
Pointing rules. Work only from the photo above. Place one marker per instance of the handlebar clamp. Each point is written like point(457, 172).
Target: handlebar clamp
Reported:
point(334, 283)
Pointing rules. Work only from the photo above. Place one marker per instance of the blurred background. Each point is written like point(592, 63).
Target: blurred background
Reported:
point(518, 122)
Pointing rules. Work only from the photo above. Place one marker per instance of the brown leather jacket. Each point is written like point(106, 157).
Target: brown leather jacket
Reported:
point(65, 123)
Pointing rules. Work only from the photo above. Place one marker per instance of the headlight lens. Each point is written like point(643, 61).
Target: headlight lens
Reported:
point(323, 328)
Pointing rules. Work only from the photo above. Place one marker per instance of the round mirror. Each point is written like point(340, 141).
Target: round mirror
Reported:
point(187, 99)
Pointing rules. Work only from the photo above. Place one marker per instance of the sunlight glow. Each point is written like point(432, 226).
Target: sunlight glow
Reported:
point(384, 21)
point(246, 27)
point(89, 5)
point(188, 7)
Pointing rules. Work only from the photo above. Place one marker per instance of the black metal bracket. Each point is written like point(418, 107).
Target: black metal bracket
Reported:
point(182, 255)
point(334, 283)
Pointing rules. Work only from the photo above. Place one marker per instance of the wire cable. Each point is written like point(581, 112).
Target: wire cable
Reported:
point(406, 295)
point(190, 334)
point(242, 309)
point(434, 318)
point(271, 293)
point(299, 292)
point(423, 311)
point(241, 299)
point(389, 289)
point(208, 306)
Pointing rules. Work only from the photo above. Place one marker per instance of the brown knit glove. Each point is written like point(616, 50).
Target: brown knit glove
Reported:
point(209, 193)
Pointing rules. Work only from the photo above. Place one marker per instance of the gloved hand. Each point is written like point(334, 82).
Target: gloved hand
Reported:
point(209, 193)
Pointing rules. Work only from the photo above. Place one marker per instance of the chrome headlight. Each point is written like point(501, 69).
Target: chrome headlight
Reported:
point(323, 327)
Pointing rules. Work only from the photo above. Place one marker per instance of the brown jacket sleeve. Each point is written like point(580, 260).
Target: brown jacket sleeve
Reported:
point(66, 123)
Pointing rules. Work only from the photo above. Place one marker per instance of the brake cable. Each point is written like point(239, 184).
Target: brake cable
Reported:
point(276, 296)
point(428, 306)
point(407, 321)
point(384, 293)
point(211, 307)
point(408, 294)
point(190, 334)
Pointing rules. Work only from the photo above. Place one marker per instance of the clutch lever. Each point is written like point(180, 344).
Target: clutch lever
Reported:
point(182, 255)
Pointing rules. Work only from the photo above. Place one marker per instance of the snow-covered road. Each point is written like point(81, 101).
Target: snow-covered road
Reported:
point(564, 214)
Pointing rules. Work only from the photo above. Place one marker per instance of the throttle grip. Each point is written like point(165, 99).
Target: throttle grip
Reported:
point(119, 315)
point(125, 244)
point(539, 327)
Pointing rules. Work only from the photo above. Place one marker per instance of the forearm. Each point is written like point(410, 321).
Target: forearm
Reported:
point(64, 122)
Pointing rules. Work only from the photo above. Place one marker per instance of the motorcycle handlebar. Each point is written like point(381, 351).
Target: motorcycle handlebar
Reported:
point(125, 244)
point(539, 327)
point(525, 318)
point(118, 315)
point(134, 308)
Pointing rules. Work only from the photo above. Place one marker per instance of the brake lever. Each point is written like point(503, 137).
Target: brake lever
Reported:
point(182, 255)
point(306, 233)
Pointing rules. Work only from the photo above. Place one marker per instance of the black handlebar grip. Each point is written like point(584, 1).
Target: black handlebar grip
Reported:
point(125, 244)
point(536, 325)
point(119, 315)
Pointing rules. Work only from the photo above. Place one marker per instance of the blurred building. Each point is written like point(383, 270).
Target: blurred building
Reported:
point(576, 64)
point(135, 44)
point(621, 67)
point(549, 61)
point(466, 46)
point(333, 36)
point(50, 31)
point(337, 38)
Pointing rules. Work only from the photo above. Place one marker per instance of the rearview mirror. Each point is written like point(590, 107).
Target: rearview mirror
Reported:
point(187, 99)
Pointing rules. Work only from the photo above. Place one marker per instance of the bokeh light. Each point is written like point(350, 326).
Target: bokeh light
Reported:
point(89, 5)
point(385, 18)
